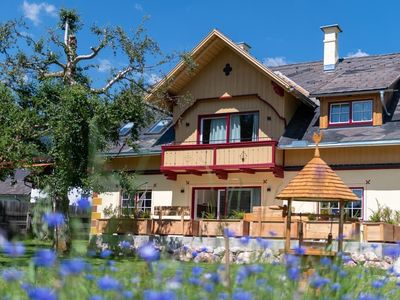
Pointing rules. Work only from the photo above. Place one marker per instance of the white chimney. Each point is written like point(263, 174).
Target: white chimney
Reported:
point(331, 46)
point(244, 46)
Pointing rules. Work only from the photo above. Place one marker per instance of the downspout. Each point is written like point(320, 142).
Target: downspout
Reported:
point(382, 94)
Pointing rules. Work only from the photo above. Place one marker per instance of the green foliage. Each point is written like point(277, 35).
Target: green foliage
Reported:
point(237, 214)
point(110, 211)
point(73, 18)
point(42, 206)
point(385, 214)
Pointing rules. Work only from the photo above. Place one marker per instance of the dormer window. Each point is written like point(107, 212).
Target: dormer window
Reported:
point(351, 113)
point(159, 126)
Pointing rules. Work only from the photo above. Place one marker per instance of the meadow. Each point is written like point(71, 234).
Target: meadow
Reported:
point(31, 270)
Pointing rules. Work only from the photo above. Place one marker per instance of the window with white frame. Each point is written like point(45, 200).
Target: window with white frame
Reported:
point(140, 201)
point(353, 209)
point(352, 112)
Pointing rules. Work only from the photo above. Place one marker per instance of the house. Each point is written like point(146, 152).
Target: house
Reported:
point(237, 131)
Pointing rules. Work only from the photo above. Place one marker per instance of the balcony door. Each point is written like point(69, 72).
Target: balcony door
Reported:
point(221, 203)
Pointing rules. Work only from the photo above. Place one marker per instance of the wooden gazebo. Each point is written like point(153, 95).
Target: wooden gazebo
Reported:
point(316, 182)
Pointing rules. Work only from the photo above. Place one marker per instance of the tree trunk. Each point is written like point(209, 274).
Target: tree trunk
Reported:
point(62, 234)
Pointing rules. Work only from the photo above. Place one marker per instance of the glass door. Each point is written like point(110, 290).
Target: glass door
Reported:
point(209, 203)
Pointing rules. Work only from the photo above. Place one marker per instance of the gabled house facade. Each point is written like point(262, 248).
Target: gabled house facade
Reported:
point(237, 131)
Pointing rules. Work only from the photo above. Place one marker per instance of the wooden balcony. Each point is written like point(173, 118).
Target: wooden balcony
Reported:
point(221, 159)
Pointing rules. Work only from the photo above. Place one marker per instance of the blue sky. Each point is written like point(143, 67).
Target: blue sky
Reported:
point(278, 31)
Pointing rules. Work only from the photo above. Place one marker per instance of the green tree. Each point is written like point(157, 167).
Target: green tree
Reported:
point(52, 114)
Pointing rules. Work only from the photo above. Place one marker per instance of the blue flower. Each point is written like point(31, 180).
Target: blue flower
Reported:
point(335, 286)
point(44, 258)
point(392, 251)
point(159, 295)
point(54, 219)
point(96, 297)
point(105, 253)
point(272, 233)
point(194, 254)
point(300, 250)
point(209, 287)
point(72, 266)
point(318, 281)
point(228, 232)
point(223, 296)
point(10, 275)
point(149, 253)
point(107, 283)
point(293, 273)
point(125, 245)
point(90, 277)
point(194, 280)
point(127, 294)
point(377, 284)
point(14, 249)
point(244, 240)
point(242, 295)
point(196, 271)
point(262, 242)
point(367, 296)
point(291, 260)
point(84, 203)
point(41, 293)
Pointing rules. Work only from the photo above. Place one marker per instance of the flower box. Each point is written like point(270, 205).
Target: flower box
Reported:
point(216, 227)
point(379, 232)
point(175, 227)
point(124, 226)
point(272, 229)
point(319, 230)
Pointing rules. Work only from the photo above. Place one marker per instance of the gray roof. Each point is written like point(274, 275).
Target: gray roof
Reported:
point(147, 144)
point(15, 185)
point(375, 72)
point(305, 122)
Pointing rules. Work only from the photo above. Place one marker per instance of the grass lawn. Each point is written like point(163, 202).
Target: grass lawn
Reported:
point(166, 279)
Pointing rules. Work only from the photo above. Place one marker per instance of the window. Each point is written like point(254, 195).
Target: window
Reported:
point(234, 128)
point(220, 203)
point(126, 129)
point(350, 112)
point(159, 126)
point(353, 210)
point(140, 201)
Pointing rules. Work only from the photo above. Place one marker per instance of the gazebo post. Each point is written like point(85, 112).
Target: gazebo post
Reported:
point(288, 225)
point(341, 221)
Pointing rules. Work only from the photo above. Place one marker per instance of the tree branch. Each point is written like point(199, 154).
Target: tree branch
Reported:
point(120, 75)
point(53, 74)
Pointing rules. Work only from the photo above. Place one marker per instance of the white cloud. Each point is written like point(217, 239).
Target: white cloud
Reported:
point(358, 53)
point(138, 7)
point(33, 10)
point(104, 65)
point(275, 61)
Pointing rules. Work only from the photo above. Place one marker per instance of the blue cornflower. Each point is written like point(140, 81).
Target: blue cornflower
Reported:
point(367, 296)
point(10, 275)
point(244, 240)
point(105, 253)
point(300, 250)
point(159, 295)
point(194, 254)
point(318, 282)
point(262, 242)
point(203, 249)
point(335, 286)
point(377, 284)
point(41, 293)
point(125, 245)
point(293, 273)
point(90, 277)
point(272, 233)
point(242, 274)
point(392, 251)
point(107, 283)
point(44, 258)
point(209, 287)
point(149, 253)
point(127, 294)
point(72, 266)
point(242, 295)
point(292, 260)
point(84, 203)
point(255, 268)
point(325, 261)
point(14, 249)
point(194, 280)
point(228, 232)
point(223, 296)
point(96, 297)
point(196, 270)
point(54, 219)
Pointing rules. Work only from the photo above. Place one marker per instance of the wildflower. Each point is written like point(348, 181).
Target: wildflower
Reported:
point(272, 233)
point(149, 253)
point(209, 287)
point(127, 294)
point(54, 219)
point(300, 250)
point(44, 258)
point(263, 243)
point(242, 295)
point(377, 284)
point(194, 254)
point(107, 283)
point(105, 253)
point(14, 249)
point(293, 273)
point(72, 266)
point(367, 296)
point(159, 295)
point(325, 261)
point(84, 203)
point(335, 286)
point(244, 240)
point(125, 245)
point(41, 293)
point(228, 232)
point(90, 277)
point(392, 251)
point(203, 249)
point(318, 282)
point(223, 296)
point(291, 260)
point(10, 275)
point(96, 297)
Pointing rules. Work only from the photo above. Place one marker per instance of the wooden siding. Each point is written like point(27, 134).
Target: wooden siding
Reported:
point(271, 126)
point(325, 102)
point(189, 158)
point(346, 156)
point(135, 163)
point(245, 155)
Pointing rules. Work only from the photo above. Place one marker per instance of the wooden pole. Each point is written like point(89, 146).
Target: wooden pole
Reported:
point(341, 221)
point(288, 223)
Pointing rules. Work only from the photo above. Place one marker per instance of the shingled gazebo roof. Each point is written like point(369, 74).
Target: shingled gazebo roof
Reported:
point(317, 182)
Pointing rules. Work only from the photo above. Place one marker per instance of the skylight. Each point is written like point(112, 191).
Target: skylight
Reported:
point(159, 126)
point(126, 129)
